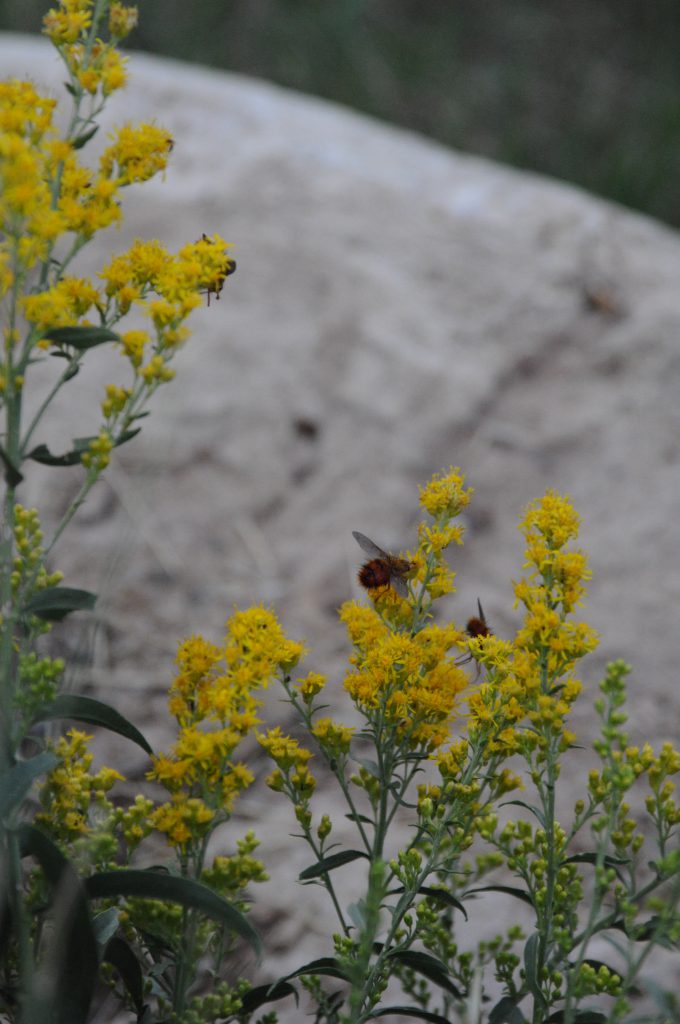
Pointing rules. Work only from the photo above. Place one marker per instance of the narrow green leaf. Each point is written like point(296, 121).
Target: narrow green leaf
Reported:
point(326, 864)
point(536, 811)
point(429, 966)
point(443, 895)
point(105, 926)
point(81, 338)
point(94, 712)
point(82, 139)
point(509, 890)
point(13, 476)
point(592, 858)
point(506, 1011)
point(55, 603)
point(370, 766)
point(67, 973)
point(263, 994)
point(532, 967)
point(18, 780)
point(360, 817)
point(127, 435)
point(119, 954)
point(327, 966)
point(42, 454)
point(579, 1017)
point(409, 1011)
point(152, 885)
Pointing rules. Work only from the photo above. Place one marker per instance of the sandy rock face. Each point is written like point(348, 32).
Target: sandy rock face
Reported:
point(397, 308)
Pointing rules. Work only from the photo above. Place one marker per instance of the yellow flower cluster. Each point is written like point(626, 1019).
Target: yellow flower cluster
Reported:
point(532, 678)
point(292, 773)
point(71, 789)
point(95, 67)
point(445, 496)
point(213, 699)
point(409, 681)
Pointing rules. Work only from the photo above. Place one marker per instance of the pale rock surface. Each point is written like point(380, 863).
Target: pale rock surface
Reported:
point(397, 308)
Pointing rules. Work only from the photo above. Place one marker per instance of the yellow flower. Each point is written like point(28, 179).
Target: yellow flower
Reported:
point(445, 494)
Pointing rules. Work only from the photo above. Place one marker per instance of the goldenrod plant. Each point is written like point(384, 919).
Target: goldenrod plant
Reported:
point(451, 770)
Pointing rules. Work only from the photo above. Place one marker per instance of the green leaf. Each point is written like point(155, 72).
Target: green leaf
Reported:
point(55, 603)
point(506, 1012)
point(153, 885)
point(429, 966)
point(327, 966)
point(509, 890)
point(532, 967)
point(119, 954)
point(579, 1017)
point(18, 780)
point(127, 435)
point(326, 864)
point(536, 811)
point(355, 816)
point(13, 476)
point(592, 858)
point(81, 338)
point(443, 895)
point(105, 926)
point(42, 454)
point(66, 975)
point(94, 712)
point(82, 139)
point(263, 994)
point(409, 1011)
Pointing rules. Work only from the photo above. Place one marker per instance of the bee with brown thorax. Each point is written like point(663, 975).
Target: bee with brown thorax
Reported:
point(383, 570)
point(476, 626)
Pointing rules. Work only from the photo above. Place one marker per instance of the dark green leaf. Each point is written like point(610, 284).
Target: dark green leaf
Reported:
point(506, 1011)
point(579, 1017)
point(105, 926)
point(152, 885)
point(66, 976)
point(94, 712)
point(55, 603)
point(257, 997)
point(81, 338)
point(536, 811)
point(16, 783)
point(509, 890)
point(326, 864)
point(443, 895)
point(127, 435)
point(119, 954)
point(429, 966)
point(591, 858)
point(82, 139)
point(327, 966)
point(43, 455)
point(70, 89)
point(532, 968)
point(13, 476)
point(370, 766)
point(409, 1011)
point(360, 817)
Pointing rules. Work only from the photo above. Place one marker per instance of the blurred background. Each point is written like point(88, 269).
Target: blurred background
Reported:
point(583, 90)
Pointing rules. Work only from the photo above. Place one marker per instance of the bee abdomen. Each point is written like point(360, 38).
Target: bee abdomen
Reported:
point(374, 574)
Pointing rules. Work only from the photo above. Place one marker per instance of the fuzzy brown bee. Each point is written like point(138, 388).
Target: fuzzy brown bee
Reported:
point(383, 570)
point(476, 626)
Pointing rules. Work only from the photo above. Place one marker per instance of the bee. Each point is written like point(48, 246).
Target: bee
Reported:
point(383, 570)
point(476, 626)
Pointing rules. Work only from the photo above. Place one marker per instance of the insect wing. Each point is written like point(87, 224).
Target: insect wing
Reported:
point(398, 583)
point(368, 546)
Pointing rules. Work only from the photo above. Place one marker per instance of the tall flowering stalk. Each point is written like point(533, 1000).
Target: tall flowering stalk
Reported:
point(420, 712)
point(52, 203)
